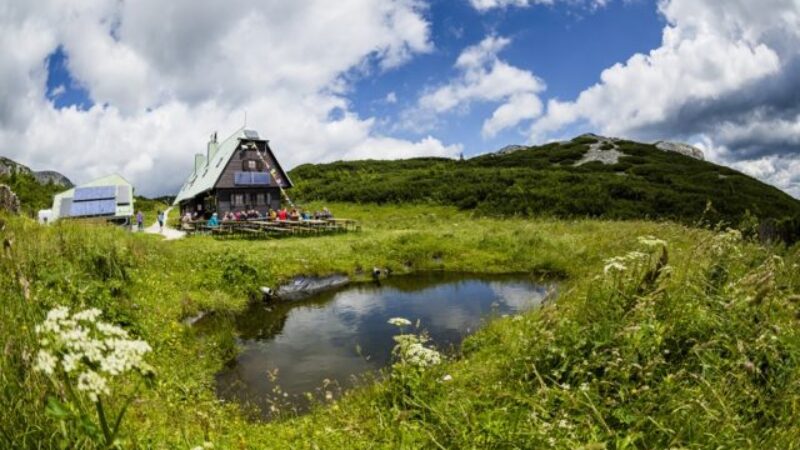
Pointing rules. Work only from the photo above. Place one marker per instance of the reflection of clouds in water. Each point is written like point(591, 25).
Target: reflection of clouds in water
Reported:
point(518, 296)
point(319, 341)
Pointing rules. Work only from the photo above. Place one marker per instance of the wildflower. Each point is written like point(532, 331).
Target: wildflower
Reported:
point(584, 387)
point(613, 266)
point(651, 241)
point(447, 377)
point(87, 315)
point(93, 384)
point(45, 362)
point(399, 322)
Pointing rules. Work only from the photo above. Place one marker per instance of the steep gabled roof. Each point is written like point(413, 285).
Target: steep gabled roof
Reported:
point(206, 176)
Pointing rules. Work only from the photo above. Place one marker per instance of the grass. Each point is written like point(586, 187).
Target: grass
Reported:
point(706, 354)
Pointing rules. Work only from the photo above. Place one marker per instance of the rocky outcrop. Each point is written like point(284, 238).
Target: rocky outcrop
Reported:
point(604, 150)
point(51, 176)
point(8, 167)
point(683, 149)
point(303, 287)
point(8, 200)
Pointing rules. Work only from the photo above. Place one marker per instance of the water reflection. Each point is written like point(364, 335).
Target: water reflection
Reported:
point(293, 348)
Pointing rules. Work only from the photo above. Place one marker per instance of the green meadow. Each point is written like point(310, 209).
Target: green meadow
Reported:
point(689, 339)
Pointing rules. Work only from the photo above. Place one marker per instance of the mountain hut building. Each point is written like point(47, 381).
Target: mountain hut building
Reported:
point(238, 174)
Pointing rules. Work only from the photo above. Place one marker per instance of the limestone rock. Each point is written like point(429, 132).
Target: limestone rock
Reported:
point(683, 149)
point(8, 200)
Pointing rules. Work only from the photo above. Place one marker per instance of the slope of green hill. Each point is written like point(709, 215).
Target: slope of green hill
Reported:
point(645, 182)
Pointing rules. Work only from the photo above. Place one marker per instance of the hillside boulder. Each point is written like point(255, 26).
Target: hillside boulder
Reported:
point(8, 200)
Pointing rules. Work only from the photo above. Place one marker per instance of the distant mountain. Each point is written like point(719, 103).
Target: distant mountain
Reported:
point(35, 190)
point(589, 176)
point(8, 167)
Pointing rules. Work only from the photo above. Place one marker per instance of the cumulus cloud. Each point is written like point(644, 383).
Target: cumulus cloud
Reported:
point(164, 75)
point(484, 77)
point(726, 77)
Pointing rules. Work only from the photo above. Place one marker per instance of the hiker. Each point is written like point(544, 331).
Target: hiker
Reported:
point(272, 214)
point(294, 215)
point(213, 222)
point(160, 217)
point(326, 213)
point(282, 214)
point(140, 220)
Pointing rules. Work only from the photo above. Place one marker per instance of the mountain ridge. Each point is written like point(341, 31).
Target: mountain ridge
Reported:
point(560, 179)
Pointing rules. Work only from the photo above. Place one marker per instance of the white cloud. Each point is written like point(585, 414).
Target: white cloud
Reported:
point(164, 75)
point(486, 5)
point(391, 97)
point(725, 71)
point(484, 77)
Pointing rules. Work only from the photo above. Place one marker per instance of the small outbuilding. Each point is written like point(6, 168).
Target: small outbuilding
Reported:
point(109, 198)
point(240, 173)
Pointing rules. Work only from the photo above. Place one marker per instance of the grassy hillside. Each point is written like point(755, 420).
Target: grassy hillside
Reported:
point(32, 194)
point(694, 344)
point(543, 181)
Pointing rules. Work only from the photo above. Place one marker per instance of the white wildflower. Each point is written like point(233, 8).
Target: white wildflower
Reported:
point(111, 330)
point(399, 322)
point(613, 266)
point(87, 315)
point(651, 241)
point(93, 384)
point(45, 362)
point(447, 377)
point(70, 361)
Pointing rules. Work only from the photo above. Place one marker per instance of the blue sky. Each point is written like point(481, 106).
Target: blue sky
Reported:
point(567, 48)
point(137, 87)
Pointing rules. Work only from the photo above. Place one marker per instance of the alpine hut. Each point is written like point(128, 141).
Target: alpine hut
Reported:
point(109, 198)
point(239, 173)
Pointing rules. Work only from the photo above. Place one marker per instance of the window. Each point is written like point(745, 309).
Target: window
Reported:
point(251, 165)
point(260, 199)
point(238, 200)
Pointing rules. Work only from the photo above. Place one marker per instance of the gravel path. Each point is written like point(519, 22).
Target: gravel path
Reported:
point(168, 233)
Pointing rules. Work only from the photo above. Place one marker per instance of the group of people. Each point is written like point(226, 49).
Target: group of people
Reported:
point(282, 214)
point(160, 216)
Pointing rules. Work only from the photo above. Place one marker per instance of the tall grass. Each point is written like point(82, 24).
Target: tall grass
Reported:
point(705, 354)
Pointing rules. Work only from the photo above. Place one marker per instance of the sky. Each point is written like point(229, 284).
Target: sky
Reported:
point(137, 87)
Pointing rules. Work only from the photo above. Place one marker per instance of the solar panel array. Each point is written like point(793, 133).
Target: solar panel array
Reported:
point(94, 193)
point(95, 201)
point(251, 178)
point(104, 207)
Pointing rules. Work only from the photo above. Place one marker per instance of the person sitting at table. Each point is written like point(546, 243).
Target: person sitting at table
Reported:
point(304, 215)
point(254, 214)
point(213, 222)
point(272, 214)
point(294, 215)
point(326, 213)
point(283, 215)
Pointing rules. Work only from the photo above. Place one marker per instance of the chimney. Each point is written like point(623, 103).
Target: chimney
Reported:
point(199, 160)
point(213, 146)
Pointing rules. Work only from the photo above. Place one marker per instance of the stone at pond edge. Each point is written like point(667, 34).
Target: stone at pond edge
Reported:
point(302, 287)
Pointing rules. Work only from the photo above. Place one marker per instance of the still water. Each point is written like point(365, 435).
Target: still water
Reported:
point(299, 352)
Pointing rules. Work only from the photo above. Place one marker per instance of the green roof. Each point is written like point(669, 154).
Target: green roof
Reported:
point(205, 177)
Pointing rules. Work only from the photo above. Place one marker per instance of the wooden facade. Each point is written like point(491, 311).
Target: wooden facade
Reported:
point(244, 183)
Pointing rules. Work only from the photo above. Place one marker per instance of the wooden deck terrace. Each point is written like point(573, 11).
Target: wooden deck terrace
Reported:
point(266, 228)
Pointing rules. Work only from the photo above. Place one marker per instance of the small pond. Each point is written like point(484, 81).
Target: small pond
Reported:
point(296, 353)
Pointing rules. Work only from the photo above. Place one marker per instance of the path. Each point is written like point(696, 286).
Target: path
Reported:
point(168, 233)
